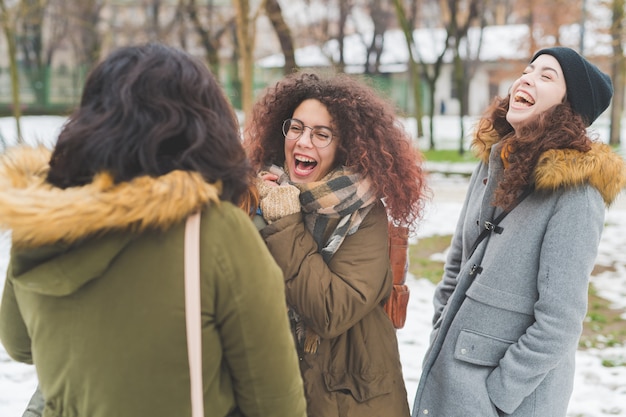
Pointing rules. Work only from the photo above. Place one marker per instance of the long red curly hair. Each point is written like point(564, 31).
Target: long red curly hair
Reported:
point(556, 128)
point(371, 139)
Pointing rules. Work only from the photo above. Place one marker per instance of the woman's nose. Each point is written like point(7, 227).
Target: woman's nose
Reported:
point(305, 140)
point(526, 78)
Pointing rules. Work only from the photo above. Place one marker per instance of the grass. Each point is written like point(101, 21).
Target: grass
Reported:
point(448, 155)
point(420, 264)
point(603, 326)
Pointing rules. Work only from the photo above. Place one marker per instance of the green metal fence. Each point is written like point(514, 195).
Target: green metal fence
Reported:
point(57, 91)
point(51, 91)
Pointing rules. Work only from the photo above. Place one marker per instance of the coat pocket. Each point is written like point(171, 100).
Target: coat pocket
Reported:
point(480, 349)
point(362, 388)
point(501, 299)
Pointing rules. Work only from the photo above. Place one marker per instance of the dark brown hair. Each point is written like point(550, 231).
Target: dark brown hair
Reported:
point(149, 110)
point(556, 128)
point(371, 139)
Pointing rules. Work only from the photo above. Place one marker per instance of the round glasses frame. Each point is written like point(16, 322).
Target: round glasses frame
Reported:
point(321, 136)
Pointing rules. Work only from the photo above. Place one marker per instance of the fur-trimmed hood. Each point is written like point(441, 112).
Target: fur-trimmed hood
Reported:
point(601, 167)
point(39, 214)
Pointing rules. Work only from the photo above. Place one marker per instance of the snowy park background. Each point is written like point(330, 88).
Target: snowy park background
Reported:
point(598, 390)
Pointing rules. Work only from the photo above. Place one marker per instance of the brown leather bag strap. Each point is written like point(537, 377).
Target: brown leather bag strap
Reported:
point(398, 252)
point(396, 305)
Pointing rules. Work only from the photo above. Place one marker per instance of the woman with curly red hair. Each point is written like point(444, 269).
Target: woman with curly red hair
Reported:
point(509, 309)
point(335, 166)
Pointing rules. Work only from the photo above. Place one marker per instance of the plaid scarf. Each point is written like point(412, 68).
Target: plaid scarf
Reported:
point(340, 194)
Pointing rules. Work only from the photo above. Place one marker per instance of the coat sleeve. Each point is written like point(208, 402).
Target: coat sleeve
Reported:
point(251, 315)
point(454, 257)
point(333, 298)
point(567, 256)
point(13, 332)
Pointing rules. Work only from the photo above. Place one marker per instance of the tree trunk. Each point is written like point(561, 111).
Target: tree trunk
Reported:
point(459, 78)
point(414, 73)
point(458, 27)
point(275, 15)
point(87, 40)
point(9, 32)
point(431, 114)
point(618, 69)
point(207, 41)
point(245, 44)
point(344, 11)
point(31, 43)
point(375, 48)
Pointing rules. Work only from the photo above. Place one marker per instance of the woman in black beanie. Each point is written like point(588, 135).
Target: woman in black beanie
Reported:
point(510, 307)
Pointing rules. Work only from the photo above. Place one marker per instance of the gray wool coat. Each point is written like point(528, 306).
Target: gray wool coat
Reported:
point(507, 348)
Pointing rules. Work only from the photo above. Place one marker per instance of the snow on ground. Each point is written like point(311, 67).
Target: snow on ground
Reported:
point(599, 390)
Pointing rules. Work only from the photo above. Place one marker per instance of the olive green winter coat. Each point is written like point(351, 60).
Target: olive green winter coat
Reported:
point(94, 298)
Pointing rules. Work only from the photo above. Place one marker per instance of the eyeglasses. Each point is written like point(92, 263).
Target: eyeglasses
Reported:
point(321, 136)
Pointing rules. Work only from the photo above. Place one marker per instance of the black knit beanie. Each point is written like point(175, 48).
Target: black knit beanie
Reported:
point(589, 90)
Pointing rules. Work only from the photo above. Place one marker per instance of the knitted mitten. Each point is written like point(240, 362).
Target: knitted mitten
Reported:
point(261, 185)
point(278, 201)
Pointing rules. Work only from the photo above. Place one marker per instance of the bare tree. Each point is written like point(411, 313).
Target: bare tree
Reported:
point(34, 41)
point(546, 19)
point(7, 19)
point(407, 24)
point(381, 18)
point(618, 65)
point(246, 31)
point(275, 15)
point(86, 40)
point(461, 15)
point(210, 28)
point(153, 23)
point(457, 17)
point(166, 21)
point(31, 46)
point(345, 7)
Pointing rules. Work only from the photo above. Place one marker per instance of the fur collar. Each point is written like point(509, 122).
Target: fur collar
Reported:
point(601, 167)
point(39, 214)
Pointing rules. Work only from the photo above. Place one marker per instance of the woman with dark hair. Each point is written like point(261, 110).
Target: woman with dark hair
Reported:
point(335, 166)
point(510, 307)
point(94, 294)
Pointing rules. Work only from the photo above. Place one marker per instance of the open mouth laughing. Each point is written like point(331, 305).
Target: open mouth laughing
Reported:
point(304, 165)
point(523, 99)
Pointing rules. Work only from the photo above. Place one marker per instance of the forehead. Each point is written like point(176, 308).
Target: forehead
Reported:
point(547, 62)
point(312, 112)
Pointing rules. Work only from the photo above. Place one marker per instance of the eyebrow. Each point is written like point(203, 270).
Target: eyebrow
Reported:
point(545, 68)
point(327, 127)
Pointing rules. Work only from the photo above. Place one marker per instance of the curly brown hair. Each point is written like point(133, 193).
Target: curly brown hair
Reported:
point(557, 128)
point(372, 140)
